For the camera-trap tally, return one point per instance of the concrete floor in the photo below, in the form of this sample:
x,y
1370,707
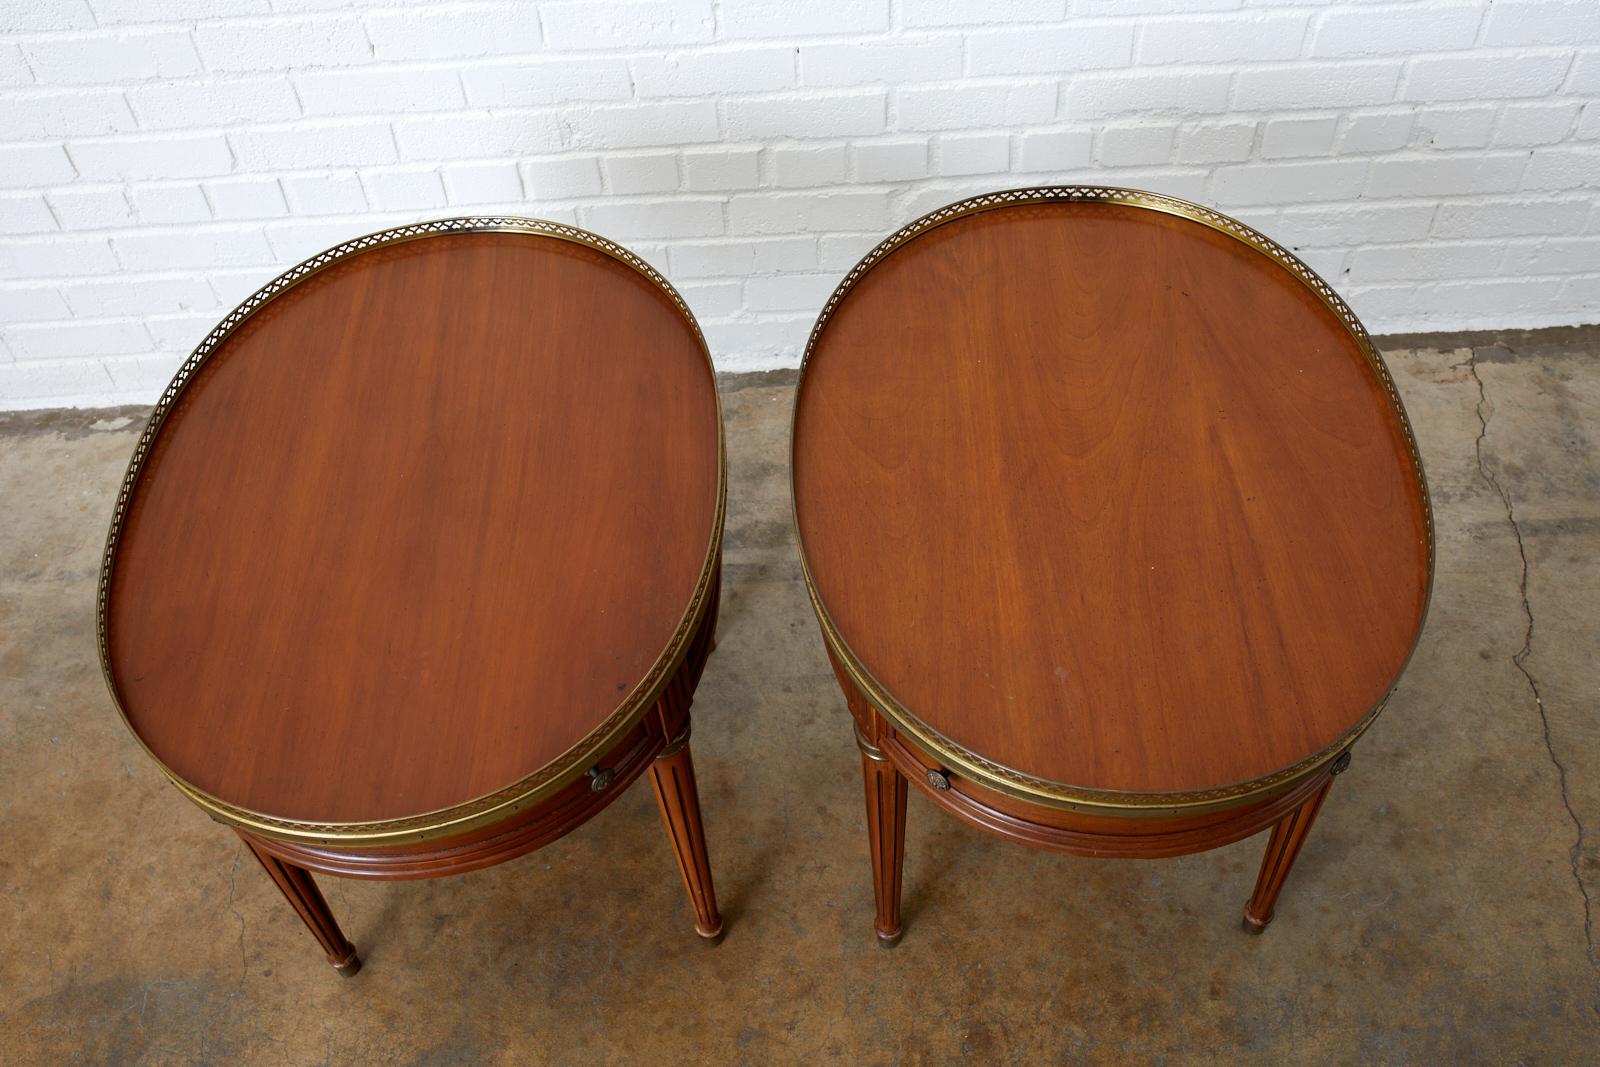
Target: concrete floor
x,y
1444,909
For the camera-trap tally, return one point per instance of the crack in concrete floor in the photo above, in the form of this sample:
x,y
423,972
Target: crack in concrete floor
x,y
1520,657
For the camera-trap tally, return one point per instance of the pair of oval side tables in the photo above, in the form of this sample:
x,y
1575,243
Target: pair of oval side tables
x,y
1109,511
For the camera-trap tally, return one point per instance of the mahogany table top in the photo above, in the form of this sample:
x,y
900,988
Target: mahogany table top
x,y
427,527
1104,503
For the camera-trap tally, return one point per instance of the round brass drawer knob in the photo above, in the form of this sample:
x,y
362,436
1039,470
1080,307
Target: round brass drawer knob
x,y
939,780
600,778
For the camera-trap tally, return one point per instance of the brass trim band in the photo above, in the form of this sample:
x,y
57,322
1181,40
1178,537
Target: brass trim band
x,y
868,749
676,743
1005,779
570,765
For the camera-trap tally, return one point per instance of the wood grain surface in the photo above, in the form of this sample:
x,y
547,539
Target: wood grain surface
x,y
417,528
1108,498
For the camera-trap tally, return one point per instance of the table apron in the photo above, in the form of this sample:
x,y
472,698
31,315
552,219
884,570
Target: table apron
x,y
1144,836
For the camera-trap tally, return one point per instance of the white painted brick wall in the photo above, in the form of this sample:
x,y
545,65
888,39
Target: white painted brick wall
x,y
1439,160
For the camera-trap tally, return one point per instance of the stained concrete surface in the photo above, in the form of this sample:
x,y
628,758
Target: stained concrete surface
x,y
1443,910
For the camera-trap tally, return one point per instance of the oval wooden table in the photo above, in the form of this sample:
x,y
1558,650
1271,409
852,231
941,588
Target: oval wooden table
x,y
415,567
1114,525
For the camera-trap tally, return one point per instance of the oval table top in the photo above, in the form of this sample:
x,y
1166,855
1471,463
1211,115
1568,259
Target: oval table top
x,y
424,531
1105,504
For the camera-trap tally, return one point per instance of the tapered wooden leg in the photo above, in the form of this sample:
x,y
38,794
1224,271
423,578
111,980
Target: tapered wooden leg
x,y
297,885
1283,847
886,836
673,776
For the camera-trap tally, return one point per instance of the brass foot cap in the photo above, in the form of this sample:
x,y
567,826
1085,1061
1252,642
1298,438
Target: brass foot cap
x,y
711,937
1254,925
349,968
890,939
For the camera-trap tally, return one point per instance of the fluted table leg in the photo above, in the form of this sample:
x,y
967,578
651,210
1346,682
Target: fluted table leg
x,y
672,774
886,836
301,891
1283,848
